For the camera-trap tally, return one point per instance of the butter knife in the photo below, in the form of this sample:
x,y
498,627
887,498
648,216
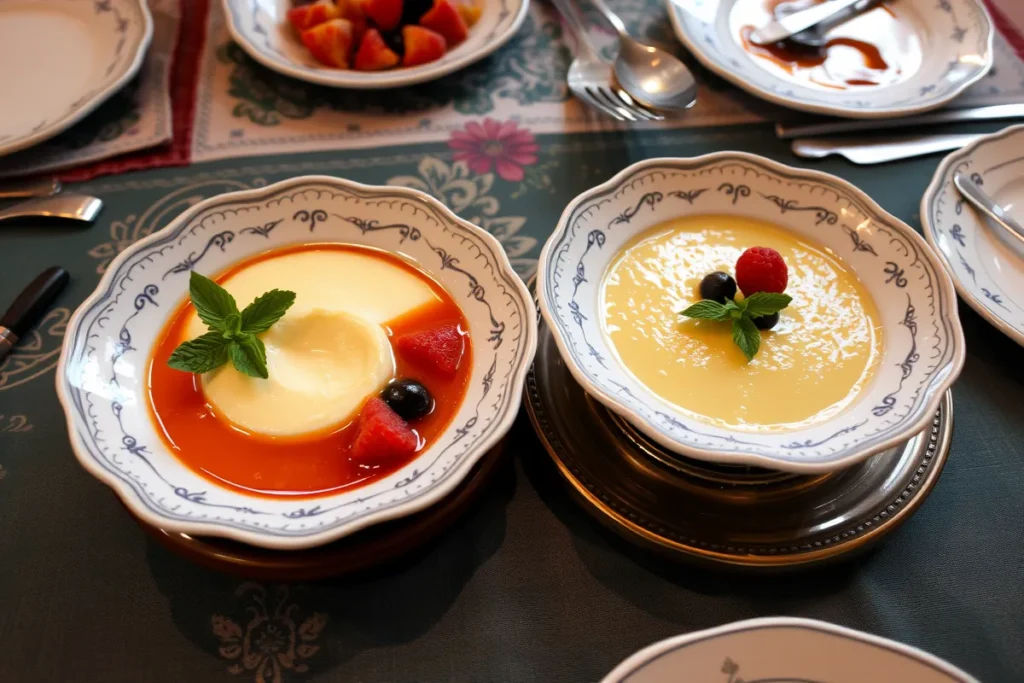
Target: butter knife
x,y
829,127
878,150
783,27
30,306
984,203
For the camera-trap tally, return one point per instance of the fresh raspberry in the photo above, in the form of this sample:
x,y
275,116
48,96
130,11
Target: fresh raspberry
x,y
382,435
439,349
761,269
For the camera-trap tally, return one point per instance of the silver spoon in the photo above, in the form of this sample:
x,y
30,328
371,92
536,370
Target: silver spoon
x,y
74,207
649,75
984,203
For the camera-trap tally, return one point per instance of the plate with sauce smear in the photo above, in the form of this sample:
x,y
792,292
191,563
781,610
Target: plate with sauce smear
x,y
397,365
855,362
897,59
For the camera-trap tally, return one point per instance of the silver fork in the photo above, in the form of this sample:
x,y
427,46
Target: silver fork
x,y
590,78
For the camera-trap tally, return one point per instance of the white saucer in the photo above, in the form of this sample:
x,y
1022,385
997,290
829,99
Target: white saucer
x,y
59,59
261,29
987,268
783,650
955,39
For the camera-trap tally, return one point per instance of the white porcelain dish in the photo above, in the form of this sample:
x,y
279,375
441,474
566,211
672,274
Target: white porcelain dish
x,y
59,59
923,342
101,378
783,650
261,28
987,267
955,39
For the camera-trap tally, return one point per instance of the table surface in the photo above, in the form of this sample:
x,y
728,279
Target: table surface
x,y
526,587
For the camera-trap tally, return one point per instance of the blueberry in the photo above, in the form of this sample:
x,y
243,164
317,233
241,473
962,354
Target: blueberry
x,y
718,286
766,322
408,398
394,41
413,10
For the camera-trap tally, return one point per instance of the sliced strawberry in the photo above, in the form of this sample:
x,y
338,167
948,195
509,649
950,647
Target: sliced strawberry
x,y
422,45
308,16
446,20
330,42
382,435
374,54
439,349
386,14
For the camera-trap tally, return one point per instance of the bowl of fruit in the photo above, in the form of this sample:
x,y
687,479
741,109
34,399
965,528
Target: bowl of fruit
x,y
371,44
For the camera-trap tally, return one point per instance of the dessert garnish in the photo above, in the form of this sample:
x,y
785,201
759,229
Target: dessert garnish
x,y
382,435
438,350
232,334
409,398
762,276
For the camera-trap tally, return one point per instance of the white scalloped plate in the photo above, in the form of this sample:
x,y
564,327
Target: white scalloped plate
x,y
956,44
101,376
59,59
987,268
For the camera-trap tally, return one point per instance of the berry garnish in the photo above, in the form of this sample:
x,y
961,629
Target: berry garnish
x,y
718,286
382,435
761,269
766,322
408,398
439,349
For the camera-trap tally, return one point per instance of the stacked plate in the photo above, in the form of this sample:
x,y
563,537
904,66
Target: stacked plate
x,y
687,446
275,504
60,59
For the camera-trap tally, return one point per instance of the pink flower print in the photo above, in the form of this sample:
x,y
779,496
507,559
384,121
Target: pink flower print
x,y
505,146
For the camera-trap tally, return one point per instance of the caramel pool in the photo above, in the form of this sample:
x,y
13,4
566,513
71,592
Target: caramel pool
x,y
813,364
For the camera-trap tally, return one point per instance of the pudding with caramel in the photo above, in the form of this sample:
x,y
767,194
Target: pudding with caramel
x,y
815,360
364,369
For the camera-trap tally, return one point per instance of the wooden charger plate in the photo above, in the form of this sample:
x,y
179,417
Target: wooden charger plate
x,y
359,552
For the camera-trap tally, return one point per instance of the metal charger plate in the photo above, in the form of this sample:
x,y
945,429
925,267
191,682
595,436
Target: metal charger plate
x,y
723,515
363,550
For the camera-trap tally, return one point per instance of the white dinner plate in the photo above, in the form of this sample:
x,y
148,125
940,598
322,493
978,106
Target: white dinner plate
x,y
59,59
948,47
783,650
987,267
261,29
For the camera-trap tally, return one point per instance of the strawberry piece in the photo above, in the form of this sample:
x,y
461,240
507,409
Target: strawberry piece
x,y
439,349
761,269
446,20
308,16
382,435
330,42
386,14
373,53
422,45
470,10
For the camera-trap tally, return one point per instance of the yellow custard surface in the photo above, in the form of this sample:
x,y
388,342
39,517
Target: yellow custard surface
x,y
813,364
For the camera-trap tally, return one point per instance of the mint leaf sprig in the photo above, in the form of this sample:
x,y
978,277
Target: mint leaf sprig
x,y
742,313
232,334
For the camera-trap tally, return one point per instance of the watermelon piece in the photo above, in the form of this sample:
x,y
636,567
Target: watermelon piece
x,y
382,435
386,14
422,45
330,42
439,349
308,16
373,53
446,20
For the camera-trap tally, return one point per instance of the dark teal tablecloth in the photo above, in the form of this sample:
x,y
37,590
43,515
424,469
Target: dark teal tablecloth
x,y
526,587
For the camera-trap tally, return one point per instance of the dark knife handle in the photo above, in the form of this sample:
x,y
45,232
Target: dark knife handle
x,y
34,301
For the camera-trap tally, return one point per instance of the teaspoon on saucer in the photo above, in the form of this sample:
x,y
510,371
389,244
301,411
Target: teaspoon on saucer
x,y
988,206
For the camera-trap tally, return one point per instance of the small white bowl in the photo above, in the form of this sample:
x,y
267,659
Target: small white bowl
x,y
923,342
261,28
784,649
956,44
101,376
987,267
